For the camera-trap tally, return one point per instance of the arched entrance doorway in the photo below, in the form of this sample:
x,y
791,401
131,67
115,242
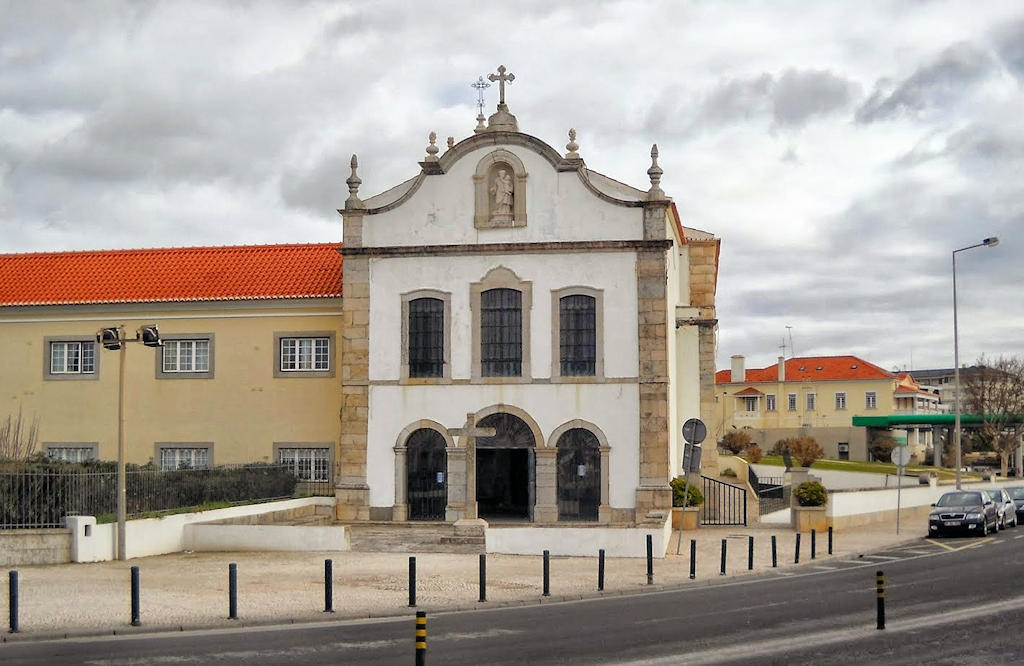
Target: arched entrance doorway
x,y
505,469
579,475
426,475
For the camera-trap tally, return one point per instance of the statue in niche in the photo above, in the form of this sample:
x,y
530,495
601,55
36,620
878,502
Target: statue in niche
x,y
502,190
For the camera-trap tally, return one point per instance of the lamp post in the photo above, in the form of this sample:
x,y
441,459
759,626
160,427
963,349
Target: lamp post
x,y
988,242
114,339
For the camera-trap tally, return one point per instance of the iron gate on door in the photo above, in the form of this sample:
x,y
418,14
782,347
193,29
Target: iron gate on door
x,y
579,475
426,482
724,503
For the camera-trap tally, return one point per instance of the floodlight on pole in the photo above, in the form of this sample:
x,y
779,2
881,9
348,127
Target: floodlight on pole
x,y
991,241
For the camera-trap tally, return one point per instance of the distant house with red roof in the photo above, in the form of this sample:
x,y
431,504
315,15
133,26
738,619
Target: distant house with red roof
x,y
818,396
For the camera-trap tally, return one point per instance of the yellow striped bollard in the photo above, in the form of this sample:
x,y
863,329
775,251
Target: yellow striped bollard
x,y
421,638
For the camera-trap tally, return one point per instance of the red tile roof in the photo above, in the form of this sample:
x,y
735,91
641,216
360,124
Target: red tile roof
x,y
810,368
750,390
242,272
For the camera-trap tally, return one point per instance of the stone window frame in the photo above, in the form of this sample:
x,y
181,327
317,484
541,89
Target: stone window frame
x,y
481,193
556,338
791,402
204,374
446,370
501,277
94,447
328,446
331,352
551,444
870,400
769,402
811,401
401,451
70,376
160,446
840,400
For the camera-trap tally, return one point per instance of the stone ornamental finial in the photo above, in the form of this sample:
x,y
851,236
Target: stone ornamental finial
x,y
572,146
353,183
451,142
501,120
655,172
432,148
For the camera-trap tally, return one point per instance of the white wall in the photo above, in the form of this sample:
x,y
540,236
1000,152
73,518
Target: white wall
x,y
616,542
441,211
266,537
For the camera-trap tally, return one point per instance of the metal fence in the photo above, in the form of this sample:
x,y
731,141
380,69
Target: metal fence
x,y
772,494
724,503
39,498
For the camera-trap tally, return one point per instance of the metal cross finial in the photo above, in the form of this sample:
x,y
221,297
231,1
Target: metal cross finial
x,y
501,78
480,86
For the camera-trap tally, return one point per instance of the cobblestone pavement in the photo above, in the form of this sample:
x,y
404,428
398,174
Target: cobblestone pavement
x,y
190,590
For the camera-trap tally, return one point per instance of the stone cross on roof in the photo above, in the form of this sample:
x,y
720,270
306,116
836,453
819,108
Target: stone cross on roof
x,y
501,78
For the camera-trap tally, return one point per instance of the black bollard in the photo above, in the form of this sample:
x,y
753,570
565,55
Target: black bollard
x,y
750,553
412,582
328,586
483,576
722,572
829,539
232,591
796,551
12,597
421,638
775,552
136,621
880,592
693,559
600,570
547,573
814,543
650,560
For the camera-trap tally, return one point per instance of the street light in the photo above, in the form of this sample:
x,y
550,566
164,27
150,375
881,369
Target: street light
x,y
988,242
113,338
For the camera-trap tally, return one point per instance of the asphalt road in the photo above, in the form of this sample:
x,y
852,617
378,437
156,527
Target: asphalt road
x,y
948,601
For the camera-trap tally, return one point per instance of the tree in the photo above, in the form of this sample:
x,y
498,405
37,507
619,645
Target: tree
x,y
995,390
735,441
15,443
754,453
805,450
881,447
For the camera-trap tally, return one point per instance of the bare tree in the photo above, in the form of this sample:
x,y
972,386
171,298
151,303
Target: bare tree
x,y
15,443
995,390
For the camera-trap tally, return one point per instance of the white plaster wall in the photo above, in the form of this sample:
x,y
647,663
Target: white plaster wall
x,y
266,537
614,408
616,542
614,273
558,208
872,501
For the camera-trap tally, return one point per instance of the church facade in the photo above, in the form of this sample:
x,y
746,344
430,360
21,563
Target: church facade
x,y
517,338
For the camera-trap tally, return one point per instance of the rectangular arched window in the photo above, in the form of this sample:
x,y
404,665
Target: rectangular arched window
x,y
501,333
426,337
577,331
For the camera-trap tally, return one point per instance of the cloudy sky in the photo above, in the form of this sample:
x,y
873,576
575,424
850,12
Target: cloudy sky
x,y
840,150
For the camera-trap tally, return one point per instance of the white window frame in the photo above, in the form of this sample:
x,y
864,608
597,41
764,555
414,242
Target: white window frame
x,y
310,463
870,400
791,401
769,402
72,452
840,400
291,360
812,402
86,367
749,403
194,455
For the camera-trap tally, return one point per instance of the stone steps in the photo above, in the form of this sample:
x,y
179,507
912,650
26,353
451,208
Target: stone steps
x,y
412,538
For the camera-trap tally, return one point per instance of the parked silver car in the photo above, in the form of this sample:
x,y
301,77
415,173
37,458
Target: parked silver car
x,y
963,511
1017,493
1005,507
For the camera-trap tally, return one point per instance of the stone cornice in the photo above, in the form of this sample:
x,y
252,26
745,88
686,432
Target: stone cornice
x,y
506,248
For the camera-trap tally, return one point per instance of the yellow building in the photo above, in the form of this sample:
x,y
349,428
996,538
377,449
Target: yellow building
x,y
817,396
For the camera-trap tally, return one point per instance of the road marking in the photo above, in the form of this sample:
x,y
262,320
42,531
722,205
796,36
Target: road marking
x,y
973,544
824,568
918,552
854,561
882,557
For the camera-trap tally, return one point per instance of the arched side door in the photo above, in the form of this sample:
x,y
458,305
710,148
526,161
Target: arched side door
x,y
579,475
427,475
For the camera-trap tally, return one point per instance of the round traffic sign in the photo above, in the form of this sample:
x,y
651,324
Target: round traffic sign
x,y
694,431
900,456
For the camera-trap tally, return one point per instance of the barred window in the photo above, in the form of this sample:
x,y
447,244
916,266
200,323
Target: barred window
x,y
71,454
426,337
309,464
577,330
501,333
304,354
186,356
172,458
72,358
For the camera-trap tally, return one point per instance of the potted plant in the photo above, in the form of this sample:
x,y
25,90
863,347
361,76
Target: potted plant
x,y
809,512
688,496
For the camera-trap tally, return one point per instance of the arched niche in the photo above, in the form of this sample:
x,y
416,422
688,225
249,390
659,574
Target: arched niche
x,y
499,186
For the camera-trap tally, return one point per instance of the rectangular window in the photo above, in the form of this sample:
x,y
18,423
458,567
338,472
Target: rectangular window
x,y
310,464
71,453
844,450
791,401
750,403
305,354
841,400
72,358
577,331
769,402
812,402
871,400
186,356
426,337
501,333
184,457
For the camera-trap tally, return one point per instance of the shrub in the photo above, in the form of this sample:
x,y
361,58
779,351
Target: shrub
x,y
735,441
805,450
728,471
754,453
779,446
881,448
680,487
811,493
